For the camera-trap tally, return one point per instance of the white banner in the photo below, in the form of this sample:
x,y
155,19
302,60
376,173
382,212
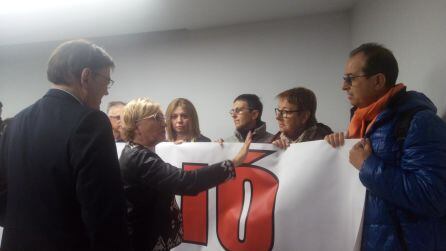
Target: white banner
x,y
308,197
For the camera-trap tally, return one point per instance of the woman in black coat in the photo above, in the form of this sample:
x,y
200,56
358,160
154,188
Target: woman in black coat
x,y
150,184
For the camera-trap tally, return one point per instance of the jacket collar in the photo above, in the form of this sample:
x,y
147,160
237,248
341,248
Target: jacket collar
x,y
58,93
258,132
400,103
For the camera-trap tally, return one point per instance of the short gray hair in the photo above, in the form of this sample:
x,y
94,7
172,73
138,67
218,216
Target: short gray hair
x,y
69,59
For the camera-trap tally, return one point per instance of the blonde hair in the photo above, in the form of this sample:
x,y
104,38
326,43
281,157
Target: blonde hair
x,y
194,127
134,111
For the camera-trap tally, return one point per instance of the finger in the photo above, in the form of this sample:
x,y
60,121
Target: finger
x,y
367,145
330,139
248,140
327,138
341,138
220,141
249,137
282,144
336,139
357,145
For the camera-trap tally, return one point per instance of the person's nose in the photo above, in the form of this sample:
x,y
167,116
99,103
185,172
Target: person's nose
x,y
345,86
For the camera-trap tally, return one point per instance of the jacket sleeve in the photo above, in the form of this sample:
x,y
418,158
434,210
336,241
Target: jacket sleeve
x,y
162,176
419,183
3,179
99,188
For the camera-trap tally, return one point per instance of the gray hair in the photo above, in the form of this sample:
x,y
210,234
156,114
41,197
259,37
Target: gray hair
x,y
69,59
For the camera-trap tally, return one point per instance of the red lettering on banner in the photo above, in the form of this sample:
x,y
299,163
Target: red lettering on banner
x,y
195,213
245,208
258,226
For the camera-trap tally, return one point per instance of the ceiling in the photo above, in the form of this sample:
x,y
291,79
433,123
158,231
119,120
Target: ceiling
x,y
28,21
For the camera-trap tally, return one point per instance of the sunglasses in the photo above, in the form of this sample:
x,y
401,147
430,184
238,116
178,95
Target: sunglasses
x,y
348,79
157,116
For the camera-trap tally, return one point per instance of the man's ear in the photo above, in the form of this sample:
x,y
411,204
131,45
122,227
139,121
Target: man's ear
x,y
380,82
255,114
86,73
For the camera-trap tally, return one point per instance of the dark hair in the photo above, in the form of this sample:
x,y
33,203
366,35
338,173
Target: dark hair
x,y
1,105
69,59
378,60
303,98
114,103
253,103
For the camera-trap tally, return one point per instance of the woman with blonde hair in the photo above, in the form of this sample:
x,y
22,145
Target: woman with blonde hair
x,y
182,122
150,184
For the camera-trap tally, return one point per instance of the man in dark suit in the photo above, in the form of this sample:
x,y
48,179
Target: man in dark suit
x,y
58,161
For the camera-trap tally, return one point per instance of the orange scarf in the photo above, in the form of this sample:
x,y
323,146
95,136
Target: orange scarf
x,y
364,118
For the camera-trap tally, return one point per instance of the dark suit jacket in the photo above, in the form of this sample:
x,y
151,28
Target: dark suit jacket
x,y
64,189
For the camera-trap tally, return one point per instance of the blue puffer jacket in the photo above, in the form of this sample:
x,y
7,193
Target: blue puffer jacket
x,y
405,205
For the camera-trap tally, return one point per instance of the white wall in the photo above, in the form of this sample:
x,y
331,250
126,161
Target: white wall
x,y
210,67
416,32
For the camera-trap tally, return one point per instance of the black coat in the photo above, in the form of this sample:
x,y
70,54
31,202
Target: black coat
x,y
150,185
64,189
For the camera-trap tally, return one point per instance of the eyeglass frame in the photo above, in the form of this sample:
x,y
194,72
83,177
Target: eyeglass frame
x,y
117,117
348,78
155,116
285,113
109,80
237,111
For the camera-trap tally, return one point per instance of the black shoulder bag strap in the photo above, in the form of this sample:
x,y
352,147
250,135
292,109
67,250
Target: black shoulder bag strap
x,y
402,126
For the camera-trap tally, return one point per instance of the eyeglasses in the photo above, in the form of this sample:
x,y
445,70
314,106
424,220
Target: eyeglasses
x,y
117,117
284,113
109,80
348,79
237,111
157,116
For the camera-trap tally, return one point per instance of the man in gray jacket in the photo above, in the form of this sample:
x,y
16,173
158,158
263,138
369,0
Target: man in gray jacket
x,y
247,113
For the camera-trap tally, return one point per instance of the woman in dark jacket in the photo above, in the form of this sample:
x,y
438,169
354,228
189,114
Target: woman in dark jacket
x,y
150,184
182,122
296,117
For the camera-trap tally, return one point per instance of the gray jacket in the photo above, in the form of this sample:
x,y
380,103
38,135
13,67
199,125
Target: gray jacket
x,y
315,132
260,135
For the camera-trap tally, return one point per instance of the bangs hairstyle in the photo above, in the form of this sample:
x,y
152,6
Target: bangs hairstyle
x,y
134,111
69,59
194,127
303,98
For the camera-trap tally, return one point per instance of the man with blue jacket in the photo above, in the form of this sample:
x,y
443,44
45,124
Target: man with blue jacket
x,y
404,173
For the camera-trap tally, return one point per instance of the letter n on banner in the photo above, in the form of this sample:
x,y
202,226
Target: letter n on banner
x,y
195,213
245,207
